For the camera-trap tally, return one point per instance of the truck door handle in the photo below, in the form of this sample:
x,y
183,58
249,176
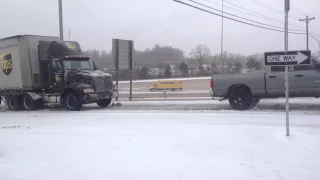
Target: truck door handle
x,y
272,76
298,75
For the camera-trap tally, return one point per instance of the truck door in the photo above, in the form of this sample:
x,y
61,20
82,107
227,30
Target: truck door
x,y
56,73
275,81
307,80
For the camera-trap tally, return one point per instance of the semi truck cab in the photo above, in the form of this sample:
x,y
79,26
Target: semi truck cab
x,y
59,73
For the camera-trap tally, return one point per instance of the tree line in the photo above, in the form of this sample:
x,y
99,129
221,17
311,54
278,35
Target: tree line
x,y
167,61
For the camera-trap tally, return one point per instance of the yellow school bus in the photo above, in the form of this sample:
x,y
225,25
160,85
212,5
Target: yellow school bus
x,y
167,85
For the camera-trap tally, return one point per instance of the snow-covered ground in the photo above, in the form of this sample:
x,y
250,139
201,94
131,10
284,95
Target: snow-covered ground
x,y
137,145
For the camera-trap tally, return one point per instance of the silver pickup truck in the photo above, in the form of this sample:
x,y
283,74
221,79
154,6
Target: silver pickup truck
x,y
244,91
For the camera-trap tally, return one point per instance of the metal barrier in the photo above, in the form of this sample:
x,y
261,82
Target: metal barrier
x,y
166,95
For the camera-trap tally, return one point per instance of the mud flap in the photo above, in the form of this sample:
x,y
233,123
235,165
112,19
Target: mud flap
x,y
34,96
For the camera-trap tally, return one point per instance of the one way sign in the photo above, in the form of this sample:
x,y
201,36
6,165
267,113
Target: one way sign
x,y
289,58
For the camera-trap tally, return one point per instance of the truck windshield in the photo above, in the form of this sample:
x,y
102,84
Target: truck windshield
x,y
77,64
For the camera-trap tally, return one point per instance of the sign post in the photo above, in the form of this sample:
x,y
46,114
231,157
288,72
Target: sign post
x,y
287,9
287,58
130,66
122,51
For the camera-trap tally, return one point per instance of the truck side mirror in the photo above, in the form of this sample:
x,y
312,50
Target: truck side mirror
x,y
94,64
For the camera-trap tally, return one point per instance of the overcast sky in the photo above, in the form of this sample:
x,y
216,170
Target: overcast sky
x,y
94,23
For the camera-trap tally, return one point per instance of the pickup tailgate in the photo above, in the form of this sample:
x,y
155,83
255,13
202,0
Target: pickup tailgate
x,y
254,80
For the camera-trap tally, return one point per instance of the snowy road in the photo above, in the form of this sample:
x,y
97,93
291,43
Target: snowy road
x,y
116,144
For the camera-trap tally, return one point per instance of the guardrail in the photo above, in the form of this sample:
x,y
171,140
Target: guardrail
x,y
165,95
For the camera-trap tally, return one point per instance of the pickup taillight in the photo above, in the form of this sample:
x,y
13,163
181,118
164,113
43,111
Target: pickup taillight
x,y
211,83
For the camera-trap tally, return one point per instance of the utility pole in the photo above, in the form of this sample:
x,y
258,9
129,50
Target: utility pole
x,y
221,56
286,44
307,20
60,20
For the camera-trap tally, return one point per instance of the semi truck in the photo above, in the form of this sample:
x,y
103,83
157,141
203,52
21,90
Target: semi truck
x,y
38,70
244,91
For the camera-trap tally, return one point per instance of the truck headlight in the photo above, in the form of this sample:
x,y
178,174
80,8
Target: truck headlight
x,y
88,90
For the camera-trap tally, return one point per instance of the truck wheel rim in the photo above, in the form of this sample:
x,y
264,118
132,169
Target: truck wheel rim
x,y
27,102
11,103
71,102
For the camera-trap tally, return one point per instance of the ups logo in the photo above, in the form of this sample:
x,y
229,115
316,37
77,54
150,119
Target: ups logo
x,y
6,63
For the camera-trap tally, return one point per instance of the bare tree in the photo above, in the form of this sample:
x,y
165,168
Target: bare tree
x,y
184,69
201,53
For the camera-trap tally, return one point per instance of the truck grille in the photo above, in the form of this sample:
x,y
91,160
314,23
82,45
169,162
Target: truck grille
x,y
103,84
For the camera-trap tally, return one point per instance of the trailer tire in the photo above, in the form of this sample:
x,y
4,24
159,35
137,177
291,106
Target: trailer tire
x,y
104,102
28,103
14,103
240,98
72,102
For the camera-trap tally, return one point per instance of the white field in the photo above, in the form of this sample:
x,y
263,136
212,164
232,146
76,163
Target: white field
x,y
137,145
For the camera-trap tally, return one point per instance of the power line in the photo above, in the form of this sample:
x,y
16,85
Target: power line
x,y
262,27
250,12
241,17
316,34
314,38
267,6
272,8
294,8
314,29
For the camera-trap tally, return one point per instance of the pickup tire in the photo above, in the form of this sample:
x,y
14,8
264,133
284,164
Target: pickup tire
x,y
240,98
104,102
72,102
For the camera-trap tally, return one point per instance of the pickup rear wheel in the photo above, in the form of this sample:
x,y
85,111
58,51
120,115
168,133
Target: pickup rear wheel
x,y
240,99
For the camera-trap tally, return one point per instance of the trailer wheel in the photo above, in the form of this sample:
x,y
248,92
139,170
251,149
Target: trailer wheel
x,y
14,103
28,103
72,102
104,102
240,99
